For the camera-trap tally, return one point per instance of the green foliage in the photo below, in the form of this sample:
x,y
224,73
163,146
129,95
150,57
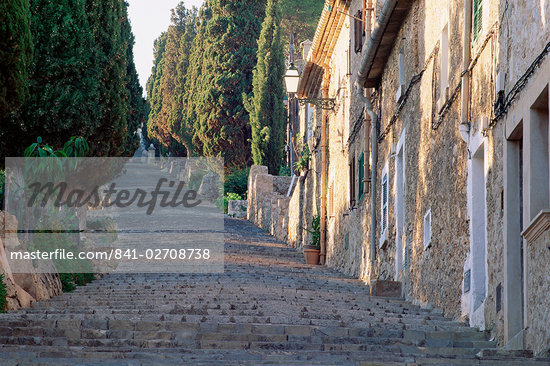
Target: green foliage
x,y
63,79
3,294
223,202
15,55
237,181
193,80
107,20
69,281
265,106
284,171
136,109
76,147
166,83
315,231
181,130
303,160
300,17
227,54
81,80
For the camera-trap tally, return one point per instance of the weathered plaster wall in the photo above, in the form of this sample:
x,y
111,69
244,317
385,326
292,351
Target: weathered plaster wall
x,y
538,285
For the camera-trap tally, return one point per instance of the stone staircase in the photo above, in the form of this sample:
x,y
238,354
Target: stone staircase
x,y
267,308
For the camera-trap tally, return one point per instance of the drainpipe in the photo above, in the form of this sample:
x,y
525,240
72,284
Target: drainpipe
x,y
322,254
366,63
374,150
464,127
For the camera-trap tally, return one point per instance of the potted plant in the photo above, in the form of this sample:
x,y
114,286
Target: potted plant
x,y
311,252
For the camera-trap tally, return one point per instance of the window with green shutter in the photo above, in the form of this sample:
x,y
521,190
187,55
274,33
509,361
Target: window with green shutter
x,y
361,175
477,19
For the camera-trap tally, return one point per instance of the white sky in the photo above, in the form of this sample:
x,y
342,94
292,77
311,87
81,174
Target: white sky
x,y
149,19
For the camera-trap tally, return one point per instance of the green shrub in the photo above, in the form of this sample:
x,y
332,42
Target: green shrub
x,y
284,171
222,203
315,231
3,294
303,160
237,182
67,282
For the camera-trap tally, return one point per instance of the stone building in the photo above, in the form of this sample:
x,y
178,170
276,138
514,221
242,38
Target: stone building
x,y
453,197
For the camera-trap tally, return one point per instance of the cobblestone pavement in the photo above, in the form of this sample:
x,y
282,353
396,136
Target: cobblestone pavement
x,y
266,308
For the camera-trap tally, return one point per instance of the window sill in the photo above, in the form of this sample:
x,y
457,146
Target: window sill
x,y
537,227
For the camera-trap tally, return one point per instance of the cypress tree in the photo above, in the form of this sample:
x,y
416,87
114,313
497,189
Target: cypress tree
x,y
136,104
169,85
180,130
193,80
15,53
15,58
229,56
265,106
106,21
63,87
153,85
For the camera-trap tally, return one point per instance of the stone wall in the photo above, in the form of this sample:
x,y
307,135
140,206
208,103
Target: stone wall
x,y
267,205
538,288
23,289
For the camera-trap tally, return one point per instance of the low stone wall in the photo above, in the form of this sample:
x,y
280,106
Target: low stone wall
x,y
237,208
267,205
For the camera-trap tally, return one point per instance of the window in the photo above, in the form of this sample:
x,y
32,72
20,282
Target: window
x,y
427,229
444,59
401,89
384,193
361,175
477,19
358,31
384,196
352,182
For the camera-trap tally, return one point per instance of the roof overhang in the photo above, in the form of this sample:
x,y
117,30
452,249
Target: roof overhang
x,y
326,36
382,41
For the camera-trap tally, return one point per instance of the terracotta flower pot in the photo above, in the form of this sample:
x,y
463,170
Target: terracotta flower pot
x,y
311,255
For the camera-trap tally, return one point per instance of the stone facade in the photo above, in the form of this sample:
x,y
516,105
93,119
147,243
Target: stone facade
x,y
454,164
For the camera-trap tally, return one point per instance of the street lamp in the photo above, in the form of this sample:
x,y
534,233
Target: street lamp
x,y
292,79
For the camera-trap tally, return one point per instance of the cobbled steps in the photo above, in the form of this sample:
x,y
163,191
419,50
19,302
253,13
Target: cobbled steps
x,y
267,308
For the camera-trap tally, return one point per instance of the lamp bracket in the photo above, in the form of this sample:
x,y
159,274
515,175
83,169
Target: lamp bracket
x,y
323,103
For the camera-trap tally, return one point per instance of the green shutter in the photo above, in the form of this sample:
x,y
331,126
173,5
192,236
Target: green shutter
x,y
477,19
361,167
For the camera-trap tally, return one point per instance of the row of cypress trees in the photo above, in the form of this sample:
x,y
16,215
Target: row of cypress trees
x,y
67,69
216,87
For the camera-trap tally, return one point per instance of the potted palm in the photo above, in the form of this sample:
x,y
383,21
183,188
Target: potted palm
x,y
311,252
